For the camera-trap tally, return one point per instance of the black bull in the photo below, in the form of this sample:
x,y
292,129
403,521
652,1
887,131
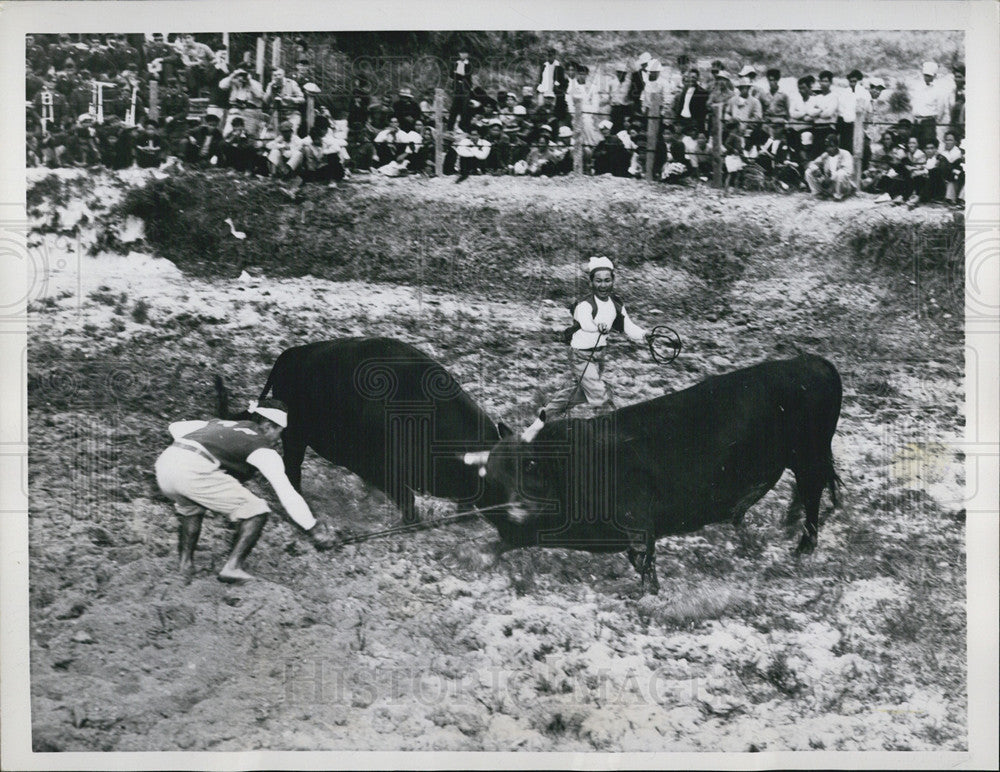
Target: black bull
x,y
671,465
387,412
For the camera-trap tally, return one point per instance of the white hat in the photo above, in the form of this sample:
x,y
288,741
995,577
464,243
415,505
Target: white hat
x,y
600,264
280,417
520,110
549,94
743,82
644,57
604,125
876,82
723,74
620,67
565,131
806,138
930,68
654,65
747,71
311,88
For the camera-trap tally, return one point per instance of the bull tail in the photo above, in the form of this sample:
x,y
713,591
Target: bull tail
x,y
270,380
833,482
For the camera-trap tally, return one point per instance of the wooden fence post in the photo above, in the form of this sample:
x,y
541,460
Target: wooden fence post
x,y
260,59
439,131
310,110
154,100
858,145
652,132
578,135
275,53
717,146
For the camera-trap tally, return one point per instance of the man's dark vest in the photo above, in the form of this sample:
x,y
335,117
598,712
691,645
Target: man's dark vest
x,y
618,324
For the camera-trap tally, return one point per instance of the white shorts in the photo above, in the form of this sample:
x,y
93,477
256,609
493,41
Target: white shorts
x,y
195,484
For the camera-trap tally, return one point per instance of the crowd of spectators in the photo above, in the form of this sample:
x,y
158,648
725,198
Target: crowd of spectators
x,y
89,103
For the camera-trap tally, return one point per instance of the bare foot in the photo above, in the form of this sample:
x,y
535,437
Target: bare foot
x,y
234,576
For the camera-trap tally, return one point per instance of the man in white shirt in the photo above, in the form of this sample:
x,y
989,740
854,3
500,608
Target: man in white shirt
x,y
930,105
472,150
204,470
284,152
655,86
832,172
851,102
827,106
284,95
594,317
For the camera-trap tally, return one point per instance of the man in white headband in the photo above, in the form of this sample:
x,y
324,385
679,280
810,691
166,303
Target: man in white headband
x,y
204,470
594,317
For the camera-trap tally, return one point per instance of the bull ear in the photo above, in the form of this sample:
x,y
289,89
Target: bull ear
x,y
505,431
529,434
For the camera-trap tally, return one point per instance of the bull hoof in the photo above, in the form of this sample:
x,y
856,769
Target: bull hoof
x,y
806,544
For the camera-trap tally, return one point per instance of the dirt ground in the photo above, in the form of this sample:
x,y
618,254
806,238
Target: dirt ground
x,y
408,642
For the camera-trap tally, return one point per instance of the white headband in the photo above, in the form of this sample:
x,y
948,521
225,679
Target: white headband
x,y
280,417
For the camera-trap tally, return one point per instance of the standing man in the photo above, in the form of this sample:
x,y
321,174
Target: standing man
x,y
285,98
774,100
594,317
639,78
930,106
827,107
203,470
619,90
461,80
851,102
690,107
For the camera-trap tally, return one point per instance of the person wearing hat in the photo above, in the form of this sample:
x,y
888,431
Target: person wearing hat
x,y
930,105
690,106
749,71
720,94
656,88
561,149
284,96
832,172
203,470
595,317
284,152
639,78
747,109
619,96
406,108
609,156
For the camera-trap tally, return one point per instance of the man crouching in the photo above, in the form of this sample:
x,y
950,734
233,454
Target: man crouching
x,y
204,468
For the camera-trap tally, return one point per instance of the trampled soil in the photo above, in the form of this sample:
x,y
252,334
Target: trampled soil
x,y
410,642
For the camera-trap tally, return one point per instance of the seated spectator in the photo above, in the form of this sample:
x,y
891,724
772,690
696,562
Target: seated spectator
x,y
610,155
561,148
116,141
204,142
472,151
284,152
499,159
937,174
285,97
905,178
390,142
701,156
880,156
776,159
955,176
676,167
832,172
540,161
149,145
427,107
239,148
321,159
734,158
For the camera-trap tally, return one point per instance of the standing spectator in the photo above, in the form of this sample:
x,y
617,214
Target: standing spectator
x,y
610,156
802,110
245,98
461,83
832,172
655,88
713,72
499,157
930,105
586,91
472,151
405,108
746,108
198,60
690,107
619,97
956,108
750,73
639,78
551,75
851,102
285,98
827,105
722,91
774,100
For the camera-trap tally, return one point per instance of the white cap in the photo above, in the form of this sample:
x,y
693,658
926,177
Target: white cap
x,y
549,94
600,264
747,71
565,131
930,68
520,110
620,67
877,82
806,138
654,65
280,417
311,88
644,57
604,125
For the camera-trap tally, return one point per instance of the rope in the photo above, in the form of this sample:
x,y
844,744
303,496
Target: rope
x,y
422,526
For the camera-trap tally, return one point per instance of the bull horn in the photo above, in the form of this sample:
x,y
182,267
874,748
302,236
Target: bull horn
x,y
478,458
